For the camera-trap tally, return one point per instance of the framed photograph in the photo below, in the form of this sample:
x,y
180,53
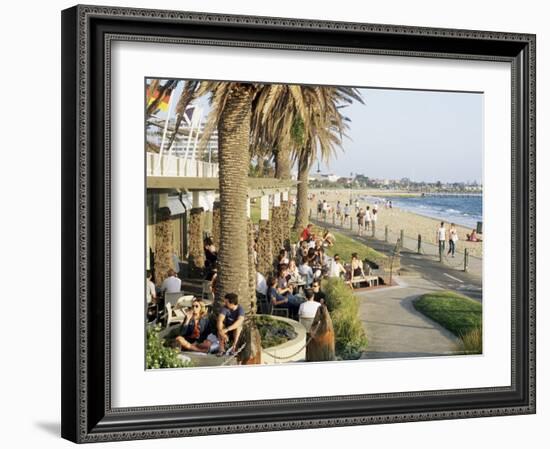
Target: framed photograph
x,y
276,224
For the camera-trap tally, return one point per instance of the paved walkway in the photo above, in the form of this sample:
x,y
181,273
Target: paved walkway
x,y
395,329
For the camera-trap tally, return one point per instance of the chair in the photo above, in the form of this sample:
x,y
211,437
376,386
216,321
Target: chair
x,y
173,297
278,311
173,315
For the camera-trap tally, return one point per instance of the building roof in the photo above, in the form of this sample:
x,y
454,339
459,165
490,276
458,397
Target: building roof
x,y
256,186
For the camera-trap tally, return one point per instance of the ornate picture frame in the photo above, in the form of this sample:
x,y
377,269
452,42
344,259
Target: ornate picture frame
x,y
87,411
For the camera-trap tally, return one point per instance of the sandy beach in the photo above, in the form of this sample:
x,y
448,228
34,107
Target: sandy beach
x,y
396,219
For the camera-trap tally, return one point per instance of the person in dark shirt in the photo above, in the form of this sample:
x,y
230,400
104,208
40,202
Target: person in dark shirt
x,y
319,296
230,322
276,297
195,329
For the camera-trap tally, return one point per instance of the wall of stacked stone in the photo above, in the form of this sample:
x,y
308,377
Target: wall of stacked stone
x,y
251,266
285,217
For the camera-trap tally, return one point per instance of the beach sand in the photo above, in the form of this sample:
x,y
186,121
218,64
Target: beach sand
x,y
396,219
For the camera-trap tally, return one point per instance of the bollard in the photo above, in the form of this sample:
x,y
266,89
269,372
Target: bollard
x,y
350,224
373,224
441,250
401,238
310,214
466,256
386,233
419,250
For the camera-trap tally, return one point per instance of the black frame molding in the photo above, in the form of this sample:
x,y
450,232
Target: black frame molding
x,y
87,32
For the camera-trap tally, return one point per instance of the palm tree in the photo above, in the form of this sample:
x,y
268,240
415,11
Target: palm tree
x,y
325,129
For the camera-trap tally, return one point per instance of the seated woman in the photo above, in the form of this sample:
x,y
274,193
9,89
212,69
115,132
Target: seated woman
x,y
195,332
328,238
473,236
293,275
282,258
276,296
356,267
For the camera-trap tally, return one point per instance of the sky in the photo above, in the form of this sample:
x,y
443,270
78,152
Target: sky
x,y
421,135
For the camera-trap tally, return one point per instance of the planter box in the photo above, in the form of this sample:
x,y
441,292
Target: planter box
x,y
291,351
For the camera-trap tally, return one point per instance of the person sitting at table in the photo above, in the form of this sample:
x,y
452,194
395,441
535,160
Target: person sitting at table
x,y
230,322
195,333
282,258
293,274
306,272
302,252
308,309
277,298
319,296
172,284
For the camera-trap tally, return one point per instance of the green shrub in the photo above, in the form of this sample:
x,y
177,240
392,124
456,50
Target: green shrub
x,y
343,307
157,355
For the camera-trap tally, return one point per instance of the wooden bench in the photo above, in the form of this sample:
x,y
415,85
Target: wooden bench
x,y
369,280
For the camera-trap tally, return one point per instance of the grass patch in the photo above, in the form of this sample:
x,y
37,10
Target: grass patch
x,y
343,306
457,313
345,246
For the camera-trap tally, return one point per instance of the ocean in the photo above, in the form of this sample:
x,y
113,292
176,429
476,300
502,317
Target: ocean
x,y
462,210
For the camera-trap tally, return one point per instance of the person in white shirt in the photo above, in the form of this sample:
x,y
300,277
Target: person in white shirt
x,y
151,291
171,284
261,284
306,271
308,309
441,237
368,218
336,267
453,238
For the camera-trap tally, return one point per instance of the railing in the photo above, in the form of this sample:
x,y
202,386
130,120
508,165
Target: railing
x,y
419,244
178,166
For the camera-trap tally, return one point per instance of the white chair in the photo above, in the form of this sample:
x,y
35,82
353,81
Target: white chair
x,y
173,315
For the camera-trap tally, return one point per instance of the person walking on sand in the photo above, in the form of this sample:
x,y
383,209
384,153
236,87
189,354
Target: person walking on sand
x,y
453,238
441,237
360,221
368,218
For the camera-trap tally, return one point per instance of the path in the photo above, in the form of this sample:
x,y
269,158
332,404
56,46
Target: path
x,y
395,329
443,275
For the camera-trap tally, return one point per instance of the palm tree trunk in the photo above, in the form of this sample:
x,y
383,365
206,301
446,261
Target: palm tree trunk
x,y
215,231
282,171
164,245
233,132
196,248
265,249
301,201
251,266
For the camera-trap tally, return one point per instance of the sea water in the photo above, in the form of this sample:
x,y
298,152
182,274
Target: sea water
x,y
463,210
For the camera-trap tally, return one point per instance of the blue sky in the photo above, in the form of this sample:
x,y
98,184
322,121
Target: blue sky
x,y
421,135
